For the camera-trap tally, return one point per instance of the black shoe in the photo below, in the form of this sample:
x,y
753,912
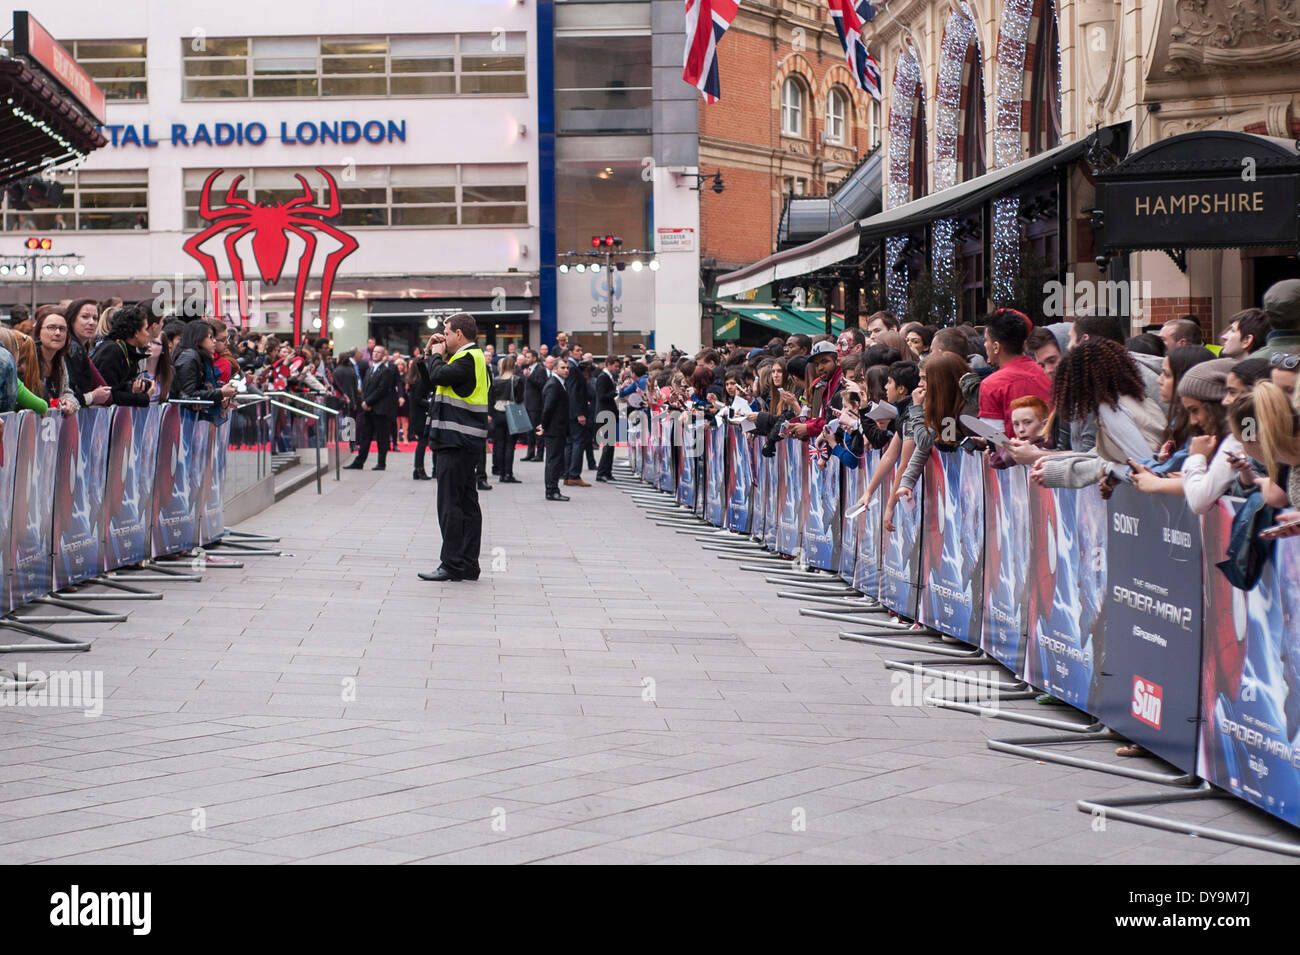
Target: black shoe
x,y
483,485
556,496
378,467
510,479
354,466
440,575
604,480
496,470
419,475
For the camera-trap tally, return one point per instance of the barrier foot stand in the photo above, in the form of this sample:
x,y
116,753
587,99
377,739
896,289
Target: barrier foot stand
x,y
1115,807
987,681
733,553
803,591
1018,716
249,537
793,575
733,542
83,613
244,549
899,641
854,603
118,591
57,642
786,562
890,626
150,572
9,681
1035,747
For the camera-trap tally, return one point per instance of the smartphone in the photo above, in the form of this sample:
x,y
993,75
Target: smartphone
x,y
1277,529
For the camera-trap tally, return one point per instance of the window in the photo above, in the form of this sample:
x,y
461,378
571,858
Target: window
x,y
599,197
102,199
423,196
117,66
467,64
875,123
603,85
792,108
835,110
1045,87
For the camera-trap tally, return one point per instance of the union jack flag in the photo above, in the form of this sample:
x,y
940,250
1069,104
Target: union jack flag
x,y
849,18
706,21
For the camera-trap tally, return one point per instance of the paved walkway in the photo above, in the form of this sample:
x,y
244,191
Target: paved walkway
x,y
607,692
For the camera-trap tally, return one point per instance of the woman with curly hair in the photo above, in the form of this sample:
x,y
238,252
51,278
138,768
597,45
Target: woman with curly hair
x,y
1098,378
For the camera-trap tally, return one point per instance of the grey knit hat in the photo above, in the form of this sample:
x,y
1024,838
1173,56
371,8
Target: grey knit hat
x,y
1206,381
1282,301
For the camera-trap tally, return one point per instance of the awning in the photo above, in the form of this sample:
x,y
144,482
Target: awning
x,y
836,247
781,319
1203,190
845,242
809,217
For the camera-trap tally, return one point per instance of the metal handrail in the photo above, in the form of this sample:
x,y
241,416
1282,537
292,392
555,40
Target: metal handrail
x,y
293,397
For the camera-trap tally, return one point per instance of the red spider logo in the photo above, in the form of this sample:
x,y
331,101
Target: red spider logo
x,y
271,224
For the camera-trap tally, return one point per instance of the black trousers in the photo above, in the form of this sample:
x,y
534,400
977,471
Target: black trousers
x,y
503,448
589,444
554,460
606,468
535,445
459,517
418,427
374,427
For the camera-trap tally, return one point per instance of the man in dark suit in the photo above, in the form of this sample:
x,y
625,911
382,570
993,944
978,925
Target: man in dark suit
x,y
534,383
554,428
378,408
579,393
347,382
607,416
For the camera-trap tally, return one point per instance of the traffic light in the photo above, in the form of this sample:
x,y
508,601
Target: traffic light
x,y
595,242
43,244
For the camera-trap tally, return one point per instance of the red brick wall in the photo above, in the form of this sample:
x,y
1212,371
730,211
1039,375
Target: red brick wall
x,y
739,226
1161,310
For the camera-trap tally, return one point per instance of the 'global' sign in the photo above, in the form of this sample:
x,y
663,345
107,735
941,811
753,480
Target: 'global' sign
x,y
254,134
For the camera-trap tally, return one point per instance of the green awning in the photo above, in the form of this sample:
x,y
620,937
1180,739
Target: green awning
x,y
782,320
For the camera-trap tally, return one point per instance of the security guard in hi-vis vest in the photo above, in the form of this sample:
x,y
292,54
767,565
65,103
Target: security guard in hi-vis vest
x,y
458,427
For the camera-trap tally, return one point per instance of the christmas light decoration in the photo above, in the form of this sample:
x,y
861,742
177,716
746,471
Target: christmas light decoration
x,y
902,117
948,94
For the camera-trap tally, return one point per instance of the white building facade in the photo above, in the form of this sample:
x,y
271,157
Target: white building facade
x,y
424,117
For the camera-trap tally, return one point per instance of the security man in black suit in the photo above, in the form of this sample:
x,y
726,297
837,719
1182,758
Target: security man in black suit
x,y
607,416
458,429
533,387
347,382
378,409
554,428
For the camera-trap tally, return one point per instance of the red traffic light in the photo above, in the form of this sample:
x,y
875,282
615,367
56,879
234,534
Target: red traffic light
x,y
46,244
595,242
33,243
609,241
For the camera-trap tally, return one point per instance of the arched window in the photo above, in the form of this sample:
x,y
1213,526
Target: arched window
x,y
792,108
875,123
1045,82
920,185
836,110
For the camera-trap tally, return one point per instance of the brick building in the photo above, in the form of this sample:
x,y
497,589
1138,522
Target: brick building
x,y
790,122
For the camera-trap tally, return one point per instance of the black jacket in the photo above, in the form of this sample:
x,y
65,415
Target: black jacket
x,y
81,377
537,378
347,385
555,409
579,392
504,389
189,379
606,395
119,365
380,389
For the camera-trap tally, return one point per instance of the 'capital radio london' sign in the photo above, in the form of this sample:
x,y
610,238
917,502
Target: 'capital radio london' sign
x,y
254,134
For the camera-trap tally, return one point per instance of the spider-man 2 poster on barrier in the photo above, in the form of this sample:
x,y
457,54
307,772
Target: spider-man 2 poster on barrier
x,y
128,494
33,515
900,564
952,600
1250,675
852,481
687,463
821,513
740,481
1067,594
79,495
211,511
866,569
715,475
9,442
794,464
1006,565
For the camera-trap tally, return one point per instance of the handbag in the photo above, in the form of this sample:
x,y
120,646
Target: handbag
x,y
517,420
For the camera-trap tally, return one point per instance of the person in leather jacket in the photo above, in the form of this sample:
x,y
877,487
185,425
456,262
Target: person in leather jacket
x,y
118,357
195,376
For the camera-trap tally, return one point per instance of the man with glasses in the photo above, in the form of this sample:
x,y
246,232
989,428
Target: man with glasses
x,y
851,342
1284,369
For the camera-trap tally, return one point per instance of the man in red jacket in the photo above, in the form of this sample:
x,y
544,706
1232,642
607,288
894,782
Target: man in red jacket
x,y
1017,375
